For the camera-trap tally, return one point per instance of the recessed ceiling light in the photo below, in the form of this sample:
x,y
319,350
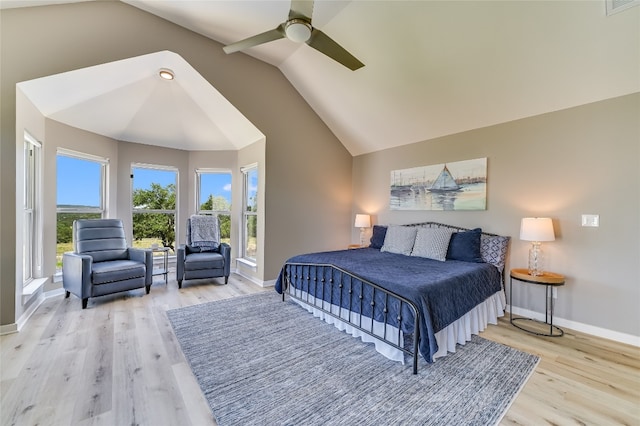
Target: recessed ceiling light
x,y
166,73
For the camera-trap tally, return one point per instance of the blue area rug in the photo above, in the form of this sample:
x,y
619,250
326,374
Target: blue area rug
x,y
261,361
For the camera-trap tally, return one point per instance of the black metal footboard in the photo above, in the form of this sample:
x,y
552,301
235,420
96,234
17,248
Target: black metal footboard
x,y
341,294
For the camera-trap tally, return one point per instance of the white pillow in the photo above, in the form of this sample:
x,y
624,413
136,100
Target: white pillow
x,y
432,243
399,239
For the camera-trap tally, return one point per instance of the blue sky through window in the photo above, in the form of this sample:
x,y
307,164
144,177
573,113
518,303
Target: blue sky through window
x,y
78,182
143,178
216,184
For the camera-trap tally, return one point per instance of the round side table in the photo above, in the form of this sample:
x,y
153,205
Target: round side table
x,y
549,280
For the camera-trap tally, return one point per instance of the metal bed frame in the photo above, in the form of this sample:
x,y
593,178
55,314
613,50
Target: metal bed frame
x,y
295,271
345,284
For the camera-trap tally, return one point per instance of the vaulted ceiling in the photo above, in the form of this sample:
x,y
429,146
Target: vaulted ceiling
x,y
432,68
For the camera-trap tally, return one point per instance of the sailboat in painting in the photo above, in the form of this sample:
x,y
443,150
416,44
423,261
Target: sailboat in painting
x,y
444,182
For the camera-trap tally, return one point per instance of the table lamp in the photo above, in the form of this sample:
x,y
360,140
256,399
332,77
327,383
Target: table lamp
x,y
536,230
363,221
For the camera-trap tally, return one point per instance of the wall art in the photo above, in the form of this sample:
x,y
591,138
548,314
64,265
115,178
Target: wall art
x,y
461,185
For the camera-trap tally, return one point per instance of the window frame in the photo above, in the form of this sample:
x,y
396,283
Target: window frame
x,y
104,164
174,212
32,250
202,171
102,209
246,213
220,213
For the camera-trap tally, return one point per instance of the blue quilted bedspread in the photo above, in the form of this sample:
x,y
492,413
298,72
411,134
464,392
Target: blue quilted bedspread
x,y
442,291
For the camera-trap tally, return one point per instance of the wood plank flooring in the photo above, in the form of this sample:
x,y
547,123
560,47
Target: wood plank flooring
x,y
118,363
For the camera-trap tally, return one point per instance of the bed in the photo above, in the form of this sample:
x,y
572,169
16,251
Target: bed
x,y
405,303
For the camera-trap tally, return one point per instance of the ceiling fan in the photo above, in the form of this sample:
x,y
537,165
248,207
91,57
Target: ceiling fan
x,y
298,28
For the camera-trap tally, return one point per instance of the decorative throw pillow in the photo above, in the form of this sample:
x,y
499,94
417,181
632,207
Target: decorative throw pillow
x,y
432,243
494,250
399,239
465,246
377,238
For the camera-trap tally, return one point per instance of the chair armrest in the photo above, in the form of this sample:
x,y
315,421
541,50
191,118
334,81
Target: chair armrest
x,y
76,274
143,256
225,251
180,256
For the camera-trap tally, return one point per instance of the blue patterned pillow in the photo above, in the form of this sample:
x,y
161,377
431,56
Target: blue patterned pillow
x,y
494,250
432,243
399,239
465,246
377,238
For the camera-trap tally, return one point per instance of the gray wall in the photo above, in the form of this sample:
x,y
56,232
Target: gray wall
x,y
560,165
301,212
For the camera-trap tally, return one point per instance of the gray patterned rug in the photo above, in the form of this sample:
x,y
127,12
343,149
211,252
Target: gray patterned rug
x,y
260,361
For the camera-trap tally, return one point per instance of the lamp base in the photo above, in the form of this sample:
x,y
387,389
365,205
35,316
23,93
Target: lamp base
x,y
362,237
536,260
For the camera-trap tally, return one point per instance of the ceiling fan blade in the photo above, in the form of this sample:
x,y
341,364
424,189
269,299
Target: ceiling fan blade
x,y
267,36
323,43
301,9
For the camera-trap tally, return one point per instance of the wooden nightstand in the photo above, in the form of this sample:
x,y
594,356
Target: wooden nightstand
x,y
548,279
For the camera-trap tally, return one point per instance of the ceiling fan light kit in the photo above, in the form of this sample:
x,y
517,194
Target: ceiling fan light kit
x,y
298,28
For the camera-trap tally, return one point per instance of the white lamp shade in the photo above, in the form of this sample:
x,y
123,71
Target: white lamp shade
x,y
363,221
536,229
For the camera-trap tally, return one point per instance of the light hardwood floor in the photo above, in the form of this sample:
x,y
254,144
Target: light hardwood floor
x,y
118,363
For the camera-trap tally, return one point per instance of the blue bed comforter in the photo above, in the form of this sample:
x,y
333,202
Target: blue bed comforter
x,y
442,291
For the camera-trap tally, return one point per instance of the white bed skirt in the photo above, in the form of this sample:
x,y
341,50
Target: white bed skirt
x,y
458,332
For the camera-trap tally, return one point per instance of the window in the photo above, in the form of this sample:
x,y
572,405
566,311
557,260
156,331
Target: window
x,y
250,213
81,194
154,205
213,196
31,247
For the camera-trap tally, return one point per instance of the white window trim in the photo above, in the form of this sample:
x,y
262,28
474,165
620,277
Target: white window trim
x,y
243,228
174,212
199,172
35,248
104,174
104,185
615,6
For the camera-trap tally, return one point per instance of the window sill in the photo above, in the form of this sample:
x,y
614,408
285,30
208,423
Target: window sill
x,y
247,263
32,288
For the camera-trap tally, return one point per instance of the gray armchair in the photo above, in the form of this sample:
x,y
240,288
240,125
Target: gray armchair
x,y
101,262
196,259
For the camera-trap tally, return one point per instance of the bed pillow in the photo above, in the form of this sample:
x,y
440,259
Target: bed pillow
x,y
465,246
377,238
432,243
494,250
399,239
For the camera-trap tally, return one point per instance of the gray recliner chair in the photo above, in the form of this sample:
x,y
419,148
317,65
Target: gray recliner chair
x,y
206,258
101,262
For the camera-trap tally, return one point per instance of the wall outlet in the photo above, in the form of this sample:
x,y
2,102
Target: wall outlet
x,y
554,292
591,220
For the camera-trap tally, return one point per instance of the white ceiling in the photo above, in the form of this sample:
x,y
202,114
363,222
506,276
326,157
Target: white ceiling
x,y
133,103
432,68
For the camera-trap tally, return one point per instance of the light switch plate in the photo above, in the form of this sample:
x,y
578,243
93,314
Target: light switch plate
x,y
592,220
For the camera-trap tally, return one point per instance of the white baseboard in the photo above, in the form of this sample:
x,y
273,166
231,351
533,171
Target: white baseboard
x,y
628,339
8,328
254,280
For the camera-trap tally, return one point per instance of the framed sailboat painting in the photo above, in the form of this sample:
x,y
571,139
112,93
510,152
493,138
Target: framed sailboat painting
x,y
461,185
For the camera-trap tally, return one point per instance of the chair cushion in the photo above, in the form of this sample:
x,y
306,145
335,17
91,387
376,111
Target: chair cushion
x,y
116,270
204,260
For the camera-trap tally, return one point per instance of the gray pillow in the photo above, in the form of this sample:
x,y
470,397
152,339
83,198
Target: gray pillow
x,y
399,239
432,243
